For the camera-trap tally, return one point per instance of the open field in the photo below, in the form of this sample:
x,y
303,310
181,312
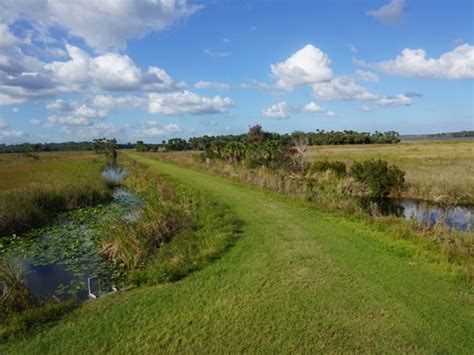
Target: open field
x,y
296,280
435,170
52,168
32,190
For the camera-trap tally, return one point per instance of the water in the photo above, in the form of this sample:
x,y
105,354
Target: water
x,y
114,174
58,260
459,218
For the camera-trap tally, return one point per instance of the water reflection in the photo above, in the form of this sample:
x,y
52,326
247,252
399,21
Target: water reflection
x,y
454,217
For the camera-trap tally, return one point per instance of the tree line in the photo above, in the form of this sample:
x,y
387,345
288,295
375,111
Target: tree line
x,y
257,135
56,147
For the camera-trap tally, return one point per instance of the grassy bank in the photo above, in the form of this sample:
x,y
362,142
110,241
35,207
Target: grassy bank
x,y
440,171
296,280
34,190
331,192
179,230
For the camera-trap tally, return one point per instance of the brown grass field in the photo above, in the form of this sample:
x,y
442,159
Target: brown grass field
x,y
435,170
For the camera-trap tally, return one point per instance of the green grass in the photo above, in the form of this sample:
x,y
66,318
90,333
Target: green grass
x,y
435,170
33,191
297,280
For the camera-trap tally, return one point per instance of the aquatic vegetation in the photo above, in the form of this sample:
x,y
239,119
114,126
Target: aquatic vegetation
x,y
33,192
71,245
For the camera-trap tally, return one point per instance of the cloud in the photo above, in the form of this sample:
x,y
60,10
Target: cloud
x,y
365,76
456,64
316,109
278,110
23,78
345,88
254,84
110,71
398,100
211,85
313,108
72,113
185,102
309,65
11,135
216,54
390,13
102,24
162,130
342,88
3,123
34,121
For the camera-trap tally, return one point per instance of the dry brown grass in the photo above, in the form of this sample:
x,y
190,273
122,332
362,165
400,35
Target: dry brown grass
x,y
435,170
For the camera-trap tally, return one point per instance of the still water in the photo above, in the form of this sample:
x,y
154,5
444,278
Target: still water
x,y
59,259
454,217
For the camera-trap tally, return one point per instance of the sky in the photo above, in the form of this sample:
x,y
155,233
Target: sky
x,y
74,70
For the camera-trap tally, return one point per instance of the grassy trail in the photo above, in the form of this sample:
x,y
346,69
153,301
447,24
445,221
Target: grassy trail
x,y
297,280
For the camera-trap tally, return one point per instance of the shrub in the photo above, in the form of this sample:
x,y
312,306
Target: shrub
x,y
14,296
378,176
338,167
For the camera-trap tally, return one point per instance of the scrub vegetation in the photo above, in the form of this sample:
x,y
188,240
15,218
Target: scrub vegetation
x,y
441,171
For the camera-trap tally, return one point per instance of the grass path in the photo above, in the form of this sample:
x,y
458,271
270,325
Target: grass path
x,y
297,280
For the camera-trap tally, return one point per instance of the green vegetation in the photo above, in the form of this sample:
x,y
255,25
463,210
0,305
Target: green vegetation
x,y
33,191
296,280
338,167
34,318
218,144
178,231
441,171
448,135
29,148
379,176
15,296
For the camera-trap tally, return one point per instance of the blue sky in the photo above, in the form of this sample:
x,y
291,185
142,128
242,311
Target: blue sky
x,y
151,70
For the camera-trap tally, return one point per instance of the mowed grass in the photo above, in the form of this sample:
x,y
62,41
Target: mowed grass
x,y
297,280
435,170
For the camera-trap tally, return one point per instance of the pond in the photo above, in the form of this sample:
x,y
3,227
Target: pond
x,y
58,260
459,218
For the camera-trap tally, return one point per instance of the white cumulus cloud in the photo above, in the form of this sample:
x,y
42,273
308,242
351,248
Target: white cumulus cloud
x,y
345,88
309,65
278,110
185,102
102,24
313,108
455,64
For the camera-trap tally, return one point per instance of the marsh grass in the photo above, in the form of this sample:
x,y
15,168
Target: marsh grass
x,y
439,171
14,296
32,191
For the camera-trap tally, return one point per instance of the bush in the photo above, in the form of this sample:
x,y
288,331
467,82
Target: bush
x,y
378,176
338,167
14,294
